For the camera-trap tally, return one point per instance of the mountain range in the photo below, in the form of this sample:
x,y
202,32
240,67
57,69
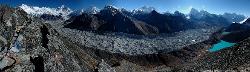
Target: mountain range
x,y
46,12
142,21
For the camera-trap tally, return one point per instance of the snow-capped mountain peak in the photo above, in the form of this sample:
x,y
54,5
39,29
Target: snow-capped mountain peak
x,y
92,10
76,12
111,7
241,22
144,9
38,11
64,10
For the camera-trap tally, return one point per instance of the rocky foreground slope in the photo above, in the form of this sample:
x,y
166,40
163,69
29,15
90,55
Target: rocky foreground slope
x,y
235,58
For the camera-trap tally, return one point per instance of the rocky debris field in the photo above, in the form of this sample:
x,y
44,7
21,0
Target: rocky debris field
x,y
235,58
139,45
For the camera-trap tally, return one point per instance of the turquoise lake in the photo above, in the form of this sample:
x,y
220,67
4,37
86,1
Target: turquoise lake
x,y
221,45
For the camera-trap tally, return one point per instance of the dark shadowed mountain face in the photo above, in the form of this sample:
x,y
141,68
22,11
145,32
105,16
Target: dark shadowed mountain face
x,y
85,22
247,21
165,23
49,17
235,37
117,21
234,27
111,19
238,32
237,27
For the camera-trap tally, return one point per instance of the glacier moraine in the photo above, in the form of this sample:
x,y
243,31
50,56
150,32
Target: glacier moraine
x,y
114,43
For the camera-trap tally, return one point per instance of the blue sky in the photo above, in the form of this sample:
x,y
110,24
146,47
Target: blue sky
x,y
213,6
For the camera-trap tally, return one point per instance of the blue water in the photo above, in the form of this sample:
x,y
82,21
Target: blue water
x,y
221,45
